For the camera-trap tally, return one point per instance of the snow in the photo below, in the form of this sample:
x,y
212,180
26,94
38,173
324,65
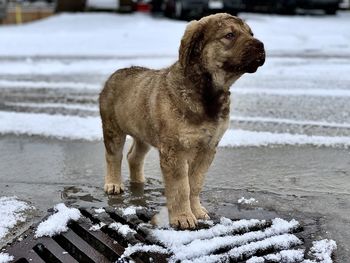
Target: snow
x,y
206,246
289,121
75,66
198,246
124,230
294,92
64,45
89,128
97,227
75,106
288,256
201,245
276,242
57,222
173,238
5,257
47,85
247,201
99,210
322,250
59,126
136,37
140,32
130,210
11,213
243,138
143,248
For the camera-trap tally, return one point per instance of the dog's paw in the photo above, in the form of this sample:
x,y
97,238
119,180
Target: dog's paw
x,y
201,213
114,188
183,221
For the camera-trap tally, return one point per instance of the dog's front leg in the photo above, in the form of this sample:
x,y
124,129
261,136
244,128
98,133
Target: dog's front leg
x,y
174,167
197,170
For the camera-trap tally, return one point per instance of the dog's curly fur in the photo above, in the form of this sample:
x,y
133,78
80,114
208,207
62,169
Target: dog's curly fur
x,y
182,110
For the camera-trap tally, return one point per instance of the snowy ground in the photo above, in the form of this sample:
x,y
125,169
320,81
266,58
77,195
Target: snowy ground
x,y
51,77
12,211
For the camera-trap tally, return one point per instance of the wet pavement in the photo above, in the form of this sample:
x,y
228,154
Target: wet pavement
x,y
307,183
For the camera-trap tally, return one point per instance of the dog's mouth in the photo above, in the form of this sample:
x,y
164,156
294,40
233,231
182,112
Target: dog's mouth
x,y
249,64
253,65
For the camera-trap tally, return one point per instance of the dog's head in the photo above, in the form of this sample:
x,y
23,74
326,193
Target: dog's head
x,y
221,44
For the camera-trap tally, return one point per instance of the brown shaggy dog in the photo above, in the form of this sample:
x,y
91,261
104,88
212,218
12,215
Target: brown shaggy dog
x,y
182,110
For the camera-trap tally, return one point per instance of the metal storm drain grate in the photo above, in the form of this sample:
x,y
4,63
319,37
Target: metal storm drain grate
x,y
106,236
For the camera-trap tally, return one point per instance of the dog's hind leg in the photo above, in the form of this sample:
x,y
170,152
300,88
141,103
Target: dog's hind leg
x,y
114,140
136,157
196,175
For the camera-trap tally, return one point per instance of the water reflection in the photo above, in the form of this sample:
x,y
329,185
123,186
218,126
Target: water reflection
x,y
148,194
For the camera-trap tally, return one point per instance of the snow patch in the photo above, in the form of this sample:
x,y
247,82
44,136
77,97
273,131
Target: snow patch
x,y
198,246
124,230
11,212
57,222
48,85
99,210
69,106
238,238
89,128
97,227
247,201
172,238
139,33
207,246
131,210
290,121
5,257
243,138
288,256
276,242
143,248
294,92
58,126
322,250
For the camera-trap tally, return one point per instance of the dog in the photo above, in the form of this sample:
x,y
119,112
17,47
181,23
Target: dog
x,y
182,110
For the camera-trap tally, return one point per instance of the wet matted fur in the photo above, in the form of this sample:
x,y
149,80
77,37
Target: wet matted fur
x,y
182,110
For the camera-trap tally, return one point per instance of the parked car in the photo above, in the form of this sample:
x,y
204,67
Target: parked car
x,y
111,5
289,6
329,6
3,9
70,6
344,4
196,8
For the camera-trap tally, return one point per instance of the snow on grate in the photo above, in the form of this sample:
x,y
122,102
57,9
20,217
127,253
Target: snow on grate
x,y
125,235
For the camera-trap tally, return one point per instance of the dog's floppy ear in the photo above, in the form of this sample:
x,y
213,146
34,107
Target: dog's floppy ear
x,y
191,44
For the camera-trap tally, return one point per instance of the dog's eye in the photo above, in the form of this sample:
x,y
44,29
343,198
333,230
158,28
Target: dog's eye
x,y
230,36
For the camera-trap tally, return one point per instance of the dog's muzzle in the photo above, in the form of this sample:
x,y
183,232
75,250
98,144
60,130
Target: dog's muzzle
x,y
254,56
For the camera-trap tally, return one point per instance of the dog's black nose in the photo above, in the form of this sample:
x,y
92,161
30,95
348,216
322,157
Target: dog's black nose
x,y
259,45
